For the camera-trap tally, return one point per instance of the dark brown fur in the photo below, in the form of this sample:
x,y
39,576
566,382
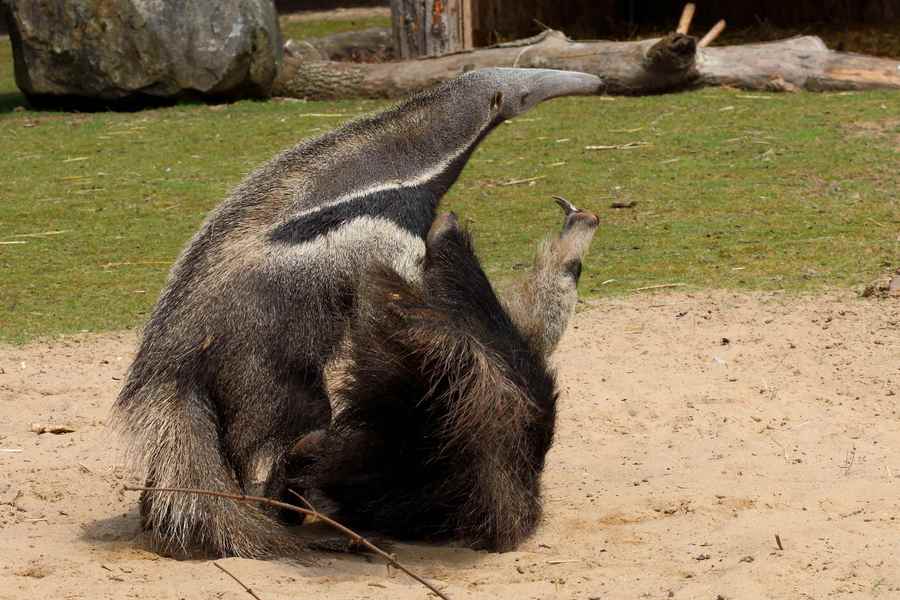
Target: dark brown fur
x,y
447,412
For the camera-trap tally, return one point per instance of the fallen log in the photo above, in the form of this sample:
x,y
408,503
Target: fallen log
x,y
374,44
673,63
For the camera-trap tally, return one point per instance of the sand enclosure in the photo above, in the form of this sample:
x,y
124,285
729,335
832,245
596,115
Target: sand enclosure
x,y
693,428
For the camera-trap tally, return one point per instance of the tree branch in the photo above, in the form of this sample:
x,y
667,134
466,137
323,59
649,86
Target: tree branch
x,y
310,511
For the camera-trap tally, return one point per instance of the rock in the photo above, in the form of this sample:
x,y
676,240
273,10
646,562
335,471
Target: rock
x,y
123,51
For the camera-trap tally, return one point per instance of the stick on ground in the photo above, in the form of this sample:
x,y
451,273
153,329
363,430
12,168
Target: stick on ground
x,y
240,583
358,539
355,537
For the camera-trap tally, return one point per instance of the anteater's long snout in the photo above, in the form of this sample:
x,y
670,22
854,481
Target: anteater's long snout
x,y
551,83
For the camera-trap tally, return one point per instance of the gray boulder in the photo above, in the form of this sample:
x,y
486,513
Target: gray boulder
x,y
138,50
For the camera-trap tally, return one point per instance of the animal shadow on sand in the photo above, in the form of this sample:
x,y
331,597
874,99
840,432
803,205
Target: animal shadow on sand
x,y
122,532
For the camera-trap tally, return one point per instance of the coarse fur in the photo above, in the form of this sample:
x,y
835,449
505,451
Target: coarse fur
x,y
542,303
447,406
447,411
229,372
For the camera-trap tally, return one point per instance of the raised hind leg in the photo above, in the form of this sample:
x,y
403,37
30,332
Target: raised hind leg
x,y
543,302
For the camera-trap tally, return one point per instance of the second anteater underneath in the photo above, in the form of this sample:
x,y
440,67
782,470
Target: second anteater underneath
x,y
448,410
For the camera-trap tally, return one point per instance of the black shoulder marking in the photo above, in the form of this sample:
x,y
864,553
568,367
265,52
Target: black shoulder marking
x,y
403,206
411,208
573,268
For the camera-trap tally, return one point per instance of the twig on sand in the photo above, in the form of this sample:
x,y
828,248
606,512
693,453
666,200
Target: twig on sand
x,y
778,542
240,583
40,428
358,539
355,537
563,561
848,460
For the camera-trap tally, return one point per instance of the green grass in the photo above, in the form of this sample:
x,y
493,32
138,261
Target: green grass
x,y
10,96
296,29
733,190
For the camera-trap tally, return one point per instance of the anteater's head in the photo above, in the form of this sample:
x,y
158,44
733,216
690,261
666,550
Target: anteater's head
x,y
511,92
479,100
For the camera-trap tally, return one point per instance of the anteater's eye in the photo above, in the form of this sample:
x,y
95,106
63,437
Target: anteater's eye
x,y
496,100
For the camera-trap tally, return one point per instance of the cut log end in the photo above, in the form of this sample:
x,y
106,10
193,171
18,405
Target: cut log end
x,y
674,53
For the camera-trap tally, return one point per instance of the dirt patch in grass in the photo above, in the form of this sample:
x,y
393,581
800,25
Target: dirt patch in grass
x,y
882,130
693,428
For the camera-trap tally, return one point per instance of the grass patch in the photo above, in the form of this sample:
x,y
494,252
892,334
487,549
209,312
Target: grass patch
x,y
10,96
733,190
298,29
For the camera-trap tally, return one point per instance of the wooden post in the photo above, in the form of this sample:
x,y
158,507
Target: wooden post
x,y
431,27
466,25
406,22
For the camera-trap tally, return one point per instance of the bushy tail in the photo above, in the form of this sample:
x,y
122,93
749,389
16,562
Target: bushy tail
x,y
173,440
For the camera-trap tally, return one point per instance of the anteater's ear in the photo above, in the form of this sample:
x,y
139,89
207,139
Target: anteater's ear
x,y
568,207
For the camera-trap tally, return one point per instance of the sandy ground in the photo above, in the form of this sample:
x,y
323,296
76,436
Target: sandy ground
x,y
693,429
